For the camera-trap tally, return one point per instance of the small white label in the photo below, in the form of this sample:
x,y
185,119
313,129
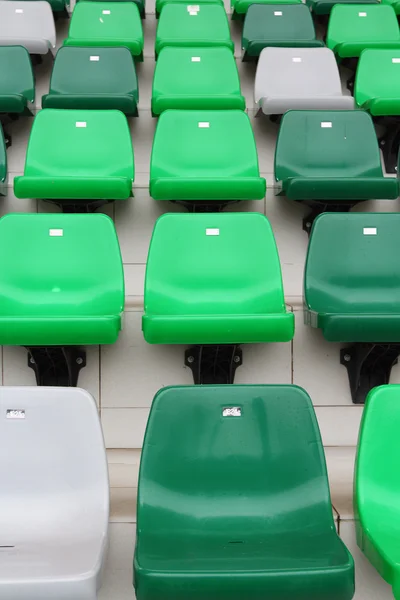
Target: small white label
x,y
296,59
193,8
95,58
19,11
326,124
15,413
56,232
362,14
369,231
193,13
196,59
212,231
277,13
80,124
395,60
106,12
204,125
232,411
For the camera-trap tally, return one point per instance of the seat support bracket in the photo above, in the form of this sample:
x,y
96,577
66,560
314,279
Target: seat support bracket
x,y
389,141
205,206
56,365
320,206
79,206
368,365
214,364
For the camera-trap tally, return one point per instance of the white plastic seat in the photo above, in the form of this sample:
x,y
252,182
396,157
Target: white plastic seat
x,y
54,494
28,24
299,79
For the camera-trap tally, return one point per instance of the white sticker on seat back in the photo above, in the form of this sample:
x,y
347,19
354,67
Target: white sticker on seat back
x,y
95,58
395,60
19,11
106,12
196,59
362,14
296,59
212,231
80,124
370,231
56,232
204,125
326,124
277,13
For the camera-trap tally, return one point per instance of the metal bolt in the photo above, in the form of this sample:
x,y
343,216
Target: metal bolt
x,y
236,359
190,359
308,225
32,360
347,357
79,360
383,142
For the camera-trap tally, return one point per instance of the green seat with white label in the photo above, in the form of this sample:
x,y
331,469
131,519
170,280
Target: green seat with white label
x,y
324,7
377,84
141,4
161,3
17,84
240,7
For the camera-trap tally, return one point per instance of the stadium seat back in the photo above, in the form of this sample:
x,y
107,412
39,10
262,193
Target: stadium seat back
x,y
17,84
28,24
377,85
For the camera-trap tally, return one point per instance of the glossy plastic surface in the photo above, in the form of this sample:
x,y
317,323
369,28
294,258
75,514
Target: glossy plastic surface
x,y
352,277
234,507
78,154
377,485
240,7
62,282
377,85
214,279
94,78
324,7
330,155
3,164
196,78
17,84
205,155
161,3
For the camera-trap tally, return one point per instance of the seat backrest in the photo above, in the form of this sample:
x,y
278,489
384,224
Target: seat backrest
x,y
53,466
352,264
278,23
23,21
16,73
362,22
327,144
60,264
213,264
378,77
80,143
106,20
263,468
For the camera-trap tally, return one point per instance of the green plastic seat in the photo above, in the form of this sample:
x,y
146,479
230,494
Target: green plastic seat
x,y
214,157
161,3
377,84
240,7
62,282
17,84
276,25
352,277
141,4
3,164
195,293
187,25
196,78
94,78
377,486
324,7
354,27
394,3
233,499
330,156
107,24
78,154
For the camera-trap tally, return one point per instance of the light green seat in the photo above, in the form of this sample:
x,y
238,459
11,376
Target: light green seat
x,y
107,24
78,154
197,25
332,157
205,155
233,499
62,282
94,78
161,3
377,85
141,4
324,7
196,78
17,84
352,277
377,484
394,3
197,293
354,27
240,7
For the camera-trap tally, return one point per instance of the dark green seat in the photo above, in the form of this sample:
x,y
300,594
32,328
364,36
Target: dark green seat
x,y
288,25
377,486
3,164
196,78
141,4
354,27
197,25
17,84
330,156
352,277
240,7
94,78
233,499
324,7
196,294
62,282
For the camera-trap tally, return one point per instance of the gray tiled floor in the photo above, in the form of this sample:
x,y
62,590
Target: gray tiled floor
x,y
124,378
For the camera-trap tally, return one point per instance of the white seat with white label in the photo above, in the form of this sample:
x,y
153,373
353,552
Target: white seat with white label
x,y
28,24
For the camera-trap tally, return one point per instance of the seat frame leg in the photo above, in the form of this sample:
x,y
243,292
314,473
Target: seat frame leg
x,y
214,364
56,365
368,365
319,207
389,142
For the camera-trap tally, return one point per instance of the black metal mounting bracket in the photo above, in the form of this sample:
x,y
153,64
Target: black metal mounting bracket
x,y
205,206
56,365
214,364
78,206
389,142
320,206
368,365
